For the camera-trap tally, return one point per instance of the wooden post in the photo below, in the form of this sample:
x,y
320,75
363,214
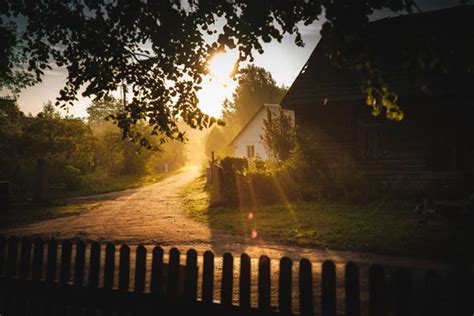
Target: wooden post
x,y
79,264
432,295
306,288
376,290
94,265
284,286
227,279
65,270
25,258
208,277
190,280
124,269
2,255
12,258
109,266
352,289
156,282
51,264
173,280
41,190
140,269
245,281
403,292
38,254
264,285
328,289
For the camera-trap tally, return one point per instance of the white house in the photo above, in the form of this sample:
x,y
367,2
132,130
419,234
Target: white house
x,y
248,142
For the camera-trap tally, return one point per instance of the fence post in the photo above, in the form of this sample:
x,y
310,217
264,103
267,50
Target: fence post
x,y
51,263
227,279
244,282
284,286
190,285
25,258
140,269
352,289
2,255
173,274
376,290
109,266
432,295
38,254
264,285
79,263
12,257
305,281
94,265
403,292
124,268
156,282
328,289
65,269
208,277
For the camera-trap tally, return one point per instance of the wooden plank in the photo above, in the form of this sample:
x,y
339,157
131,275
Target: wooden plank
x,y
227,279
51,264
80,262
328,289
124,269
377,290
245,281
12,258
208,277
140,269
190,280
38,254
305,282
432,294
403,292
94,265
109,266
352,290
25,258
157,281
172,289
264,283
65,269
285,286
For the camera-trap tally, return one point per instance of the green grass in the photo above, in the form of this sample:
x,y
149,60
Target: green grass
x,y
377,227
26,213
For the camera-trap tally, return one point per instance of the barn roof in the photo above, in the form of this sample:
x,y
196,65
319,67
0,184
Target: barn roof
x,y
390,39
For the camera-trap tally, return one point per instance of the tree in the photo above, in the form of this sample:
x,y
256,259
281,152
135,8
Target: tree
x,y
159,48
279,137
102,109
49,111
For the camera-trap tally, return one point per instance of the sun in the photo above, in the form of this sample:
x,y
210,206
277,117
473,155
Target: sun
x,y
218,84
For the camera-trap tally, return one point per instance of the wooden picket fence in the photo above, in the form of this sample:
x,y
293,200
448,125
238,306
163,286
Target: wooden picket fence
x,y
46,278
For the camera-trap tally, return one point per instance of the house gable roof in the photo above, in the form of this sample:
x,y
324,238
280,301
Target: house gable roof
x,y
453,28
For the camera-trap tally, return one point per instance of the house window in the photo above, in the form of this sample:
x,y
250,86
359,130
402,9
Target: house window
x,y
250,151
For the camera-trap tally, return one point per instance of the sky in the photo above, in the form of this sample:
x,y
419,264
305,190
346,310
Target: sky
x,y
284,60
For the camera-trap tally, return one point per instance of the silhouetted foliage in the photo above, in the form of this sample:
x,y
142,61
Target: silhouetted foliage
x,y
279,137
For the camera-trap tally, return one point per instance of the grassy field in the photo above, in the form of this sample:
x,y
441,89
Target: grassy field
x,y
379,227
26,213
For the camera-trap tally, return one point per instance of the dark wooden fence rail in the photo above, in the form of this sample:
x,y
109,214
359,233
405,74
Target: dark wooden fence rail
x,y
32,283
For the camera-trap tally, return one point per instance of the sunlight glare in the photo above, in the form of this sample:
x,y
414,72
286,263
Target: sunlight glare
x,y
218,85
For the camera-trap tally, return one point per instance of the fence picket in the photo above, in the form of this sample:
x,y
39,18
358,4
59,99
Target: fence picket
x,y
12,257
227,279
65,269
208,277
403,292
190,280
79,264
38,254
432,295
306,288
284,286
94,265
376,290
140,269
172,289
25,258
109,266
156,282
352,290
328,289
245,281
124,269
2,255
264,283
51,264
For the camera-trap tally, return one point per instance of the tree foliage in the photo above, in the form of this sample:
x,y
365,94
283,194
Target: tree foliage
x,y
279,138
103,109
161,48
